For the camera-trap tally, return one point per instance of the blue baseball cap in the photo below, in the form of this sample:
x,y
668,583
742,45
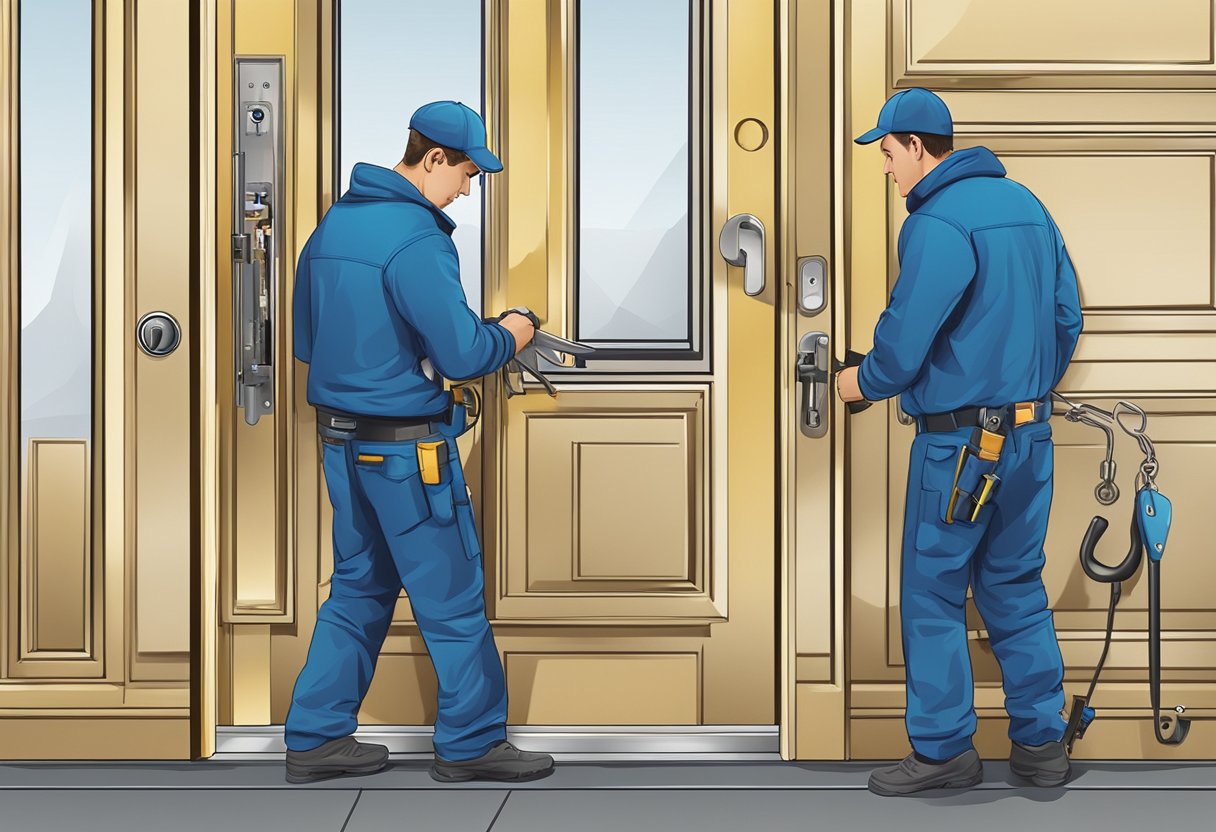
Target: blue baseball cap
x,y
913,110
455,126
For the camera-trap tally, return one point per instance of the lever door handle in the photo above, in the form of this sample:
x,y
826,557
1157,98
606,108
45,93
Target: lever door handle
x,y
814,376
742,244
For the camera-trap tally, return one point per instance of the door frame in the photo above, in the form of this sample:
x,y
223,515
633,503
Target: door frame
x,y
812,506
204,669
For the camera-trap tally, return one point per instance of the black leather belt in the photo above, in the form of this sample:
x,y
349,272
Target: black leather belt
x,y
376,429
1011,415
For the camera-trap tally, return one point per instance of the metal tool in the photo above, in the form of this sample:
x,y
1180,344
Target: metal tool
x,y
546,347
1149,529
1106,491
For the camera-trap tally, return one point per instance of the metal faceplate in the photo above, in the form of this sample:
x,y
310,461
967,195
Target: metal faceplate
x,y
812,285
257,249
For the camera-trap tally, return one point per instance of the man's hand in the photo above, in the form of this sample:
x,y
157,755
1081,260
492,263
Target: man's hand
x,y
520,328
847,387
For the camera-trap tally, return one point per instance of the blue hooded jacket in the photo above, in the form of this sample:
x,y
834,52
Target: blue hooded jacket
x,y
985,310
377,291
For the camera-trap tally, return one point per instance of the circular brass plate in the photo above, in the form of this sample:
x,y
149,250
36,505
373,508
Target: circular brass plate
x,y
751,134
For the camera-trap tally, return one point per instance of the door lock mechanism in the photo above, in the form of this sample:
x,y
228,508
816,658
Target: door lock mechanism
x,y
815,380
158,334
812,368
258,256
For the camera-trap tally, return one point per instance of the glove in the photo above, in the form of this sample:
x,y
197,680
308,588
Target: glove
x,y
851,359
520,310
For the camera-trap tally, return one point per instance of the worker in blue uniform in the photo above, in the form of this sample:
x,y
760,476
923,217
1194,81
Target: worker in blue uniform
x,y
981,325
380,316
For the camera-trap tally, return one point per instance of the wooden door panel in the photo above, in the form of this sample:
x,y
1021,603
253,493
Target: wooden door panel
x,y
98,506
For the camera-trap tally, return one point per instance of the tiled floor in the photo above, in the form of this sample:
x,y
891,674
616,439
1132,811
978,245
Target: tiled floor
x,y
590,797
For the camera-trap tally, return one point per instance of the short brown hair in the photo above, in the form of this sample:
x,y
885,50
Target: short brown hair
x,y
419,145
935,145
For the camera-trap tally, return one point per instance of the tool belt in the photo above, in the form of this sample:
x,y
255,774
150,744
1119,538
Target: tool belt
x,y
377,429
336,427
975,476
1017,415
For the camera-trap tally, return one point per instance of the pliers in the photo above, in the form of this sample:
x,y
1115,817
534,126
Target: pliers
x,y
556,351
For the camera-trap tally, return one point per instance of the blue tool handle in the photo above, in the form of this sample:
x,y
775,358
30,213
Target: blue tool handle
x,y
1153,514
1079,717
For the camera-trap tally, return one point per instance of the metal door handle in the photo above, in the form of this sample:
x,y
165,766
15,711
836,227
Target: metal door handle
x,y
813,376
742,244
158,334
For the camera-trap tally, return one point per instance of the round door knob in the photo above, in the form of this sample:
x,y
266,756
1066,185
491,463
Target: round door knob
x,y
158,334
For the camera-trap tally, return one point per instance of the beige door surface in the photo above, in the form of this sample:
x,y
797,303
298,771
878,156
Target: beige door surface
x,y
812,453
1107,114
97,438
628,525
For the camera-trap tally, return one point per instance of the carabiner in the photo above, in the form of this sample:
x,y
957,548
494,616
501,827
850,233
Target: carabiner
x,y
1106,491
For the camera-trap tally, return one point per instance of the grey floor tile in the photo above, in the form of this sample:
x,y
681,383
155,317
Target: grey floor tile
x,y
193,775
177,811
416,810
412,774
730,811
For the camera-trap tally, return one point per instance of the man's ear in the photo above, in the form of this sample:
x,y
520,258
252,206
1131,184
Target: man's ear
x,y
433,157
916,147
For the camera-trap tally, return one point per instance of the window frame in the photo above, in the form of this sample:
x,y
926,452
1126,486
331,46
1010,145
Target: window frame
x,y
642,357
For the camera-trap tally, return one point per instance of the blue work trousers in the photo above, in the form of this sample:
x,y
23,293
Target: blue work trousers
x,y
391,530
1001,557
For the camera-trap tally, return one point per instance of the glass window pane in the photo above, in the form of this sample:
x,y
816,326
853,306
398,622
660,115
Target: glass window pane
x,y
387,68
633,171
55,124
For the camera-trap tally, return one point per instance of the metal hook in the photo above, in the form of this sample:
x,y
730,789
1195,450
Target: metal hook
x,y
1106,492
1167,734
1177,731
1117,414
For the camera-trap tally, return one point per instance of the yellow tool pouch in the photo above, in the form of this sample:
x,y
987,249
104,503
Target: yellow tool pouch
x,y
429,460
974,479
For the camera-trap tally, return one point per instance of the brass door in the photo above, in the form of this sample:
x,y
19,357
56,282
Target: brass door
x,y
629,524
1106,114
98,211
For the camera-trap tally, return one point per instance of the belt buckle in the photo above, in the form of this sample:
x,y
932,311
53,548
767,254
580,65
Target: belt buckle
x,y
1024,412
991,418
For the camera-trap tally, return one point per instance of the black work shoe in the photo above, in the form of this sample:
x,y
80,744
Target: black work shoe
x,y
911,775
337,758
502,762
1044,765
